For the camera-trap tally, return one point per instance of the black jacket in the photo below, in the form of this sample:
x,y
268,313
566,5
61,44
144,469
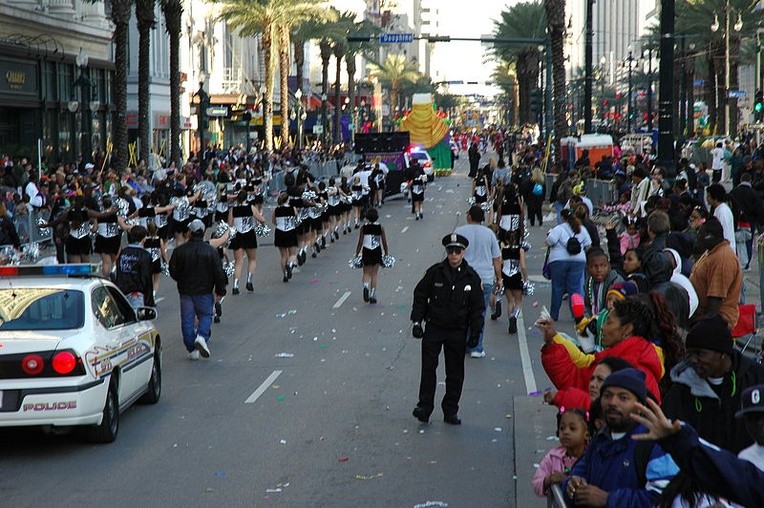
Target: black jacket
x,y
748,204
449,298
197,269
134,273
8,234
712,412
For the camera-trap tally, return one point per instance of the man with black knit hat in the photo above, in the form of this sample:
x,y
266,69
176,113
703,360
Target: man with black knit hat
x,y
449,302
708,383
615,470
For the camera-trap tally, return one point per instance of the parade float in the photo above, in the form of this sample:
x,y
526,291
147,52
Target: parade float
x,y
429,128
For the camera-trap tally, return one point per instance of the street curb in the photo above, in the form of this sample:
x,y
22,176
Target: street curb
x,y
533,422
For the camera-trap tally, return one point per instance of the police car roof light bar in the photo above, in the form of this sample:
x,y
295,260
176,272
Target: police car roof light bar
x,y
74,269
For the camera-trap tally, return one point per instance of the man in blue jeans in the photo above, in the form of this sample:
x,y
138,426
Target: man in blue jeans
x,y
197,269
484,256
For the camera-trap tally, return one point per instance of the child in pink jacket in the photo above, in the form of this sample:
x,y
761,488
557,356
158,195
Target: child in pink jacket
x,y
573,431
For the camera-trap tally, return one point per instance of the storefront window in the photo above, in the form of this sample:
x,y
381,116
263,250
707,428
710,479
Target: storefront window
x,y
65,82
49,87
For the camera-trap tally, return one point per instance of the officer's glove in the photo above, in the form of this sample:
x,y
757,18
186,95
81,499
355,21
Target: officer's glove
x,y
473,341
417,331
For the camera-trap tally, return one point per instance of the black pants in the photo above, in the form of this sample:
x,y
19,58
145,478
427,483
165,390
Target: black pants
x,y
453,343
534,212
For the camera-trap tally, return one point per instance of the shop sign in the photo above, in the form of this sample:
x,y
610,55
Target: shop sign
x,y
161,120
18,78
131,119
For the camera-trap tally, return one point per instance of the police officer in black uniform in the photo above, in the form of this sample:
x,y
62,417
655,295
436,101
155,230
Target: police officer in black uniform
x,y
449,299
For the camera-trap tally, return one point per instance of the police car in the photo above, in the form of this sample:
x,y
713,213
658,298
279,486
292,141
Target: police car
x,y
73,352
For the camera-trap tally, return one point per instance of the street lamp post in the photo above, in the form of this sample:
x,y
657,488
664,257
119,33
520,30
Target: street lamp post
x,y
323,118
715,27
201,115
650,90
602,76
85,84
629,110
299,116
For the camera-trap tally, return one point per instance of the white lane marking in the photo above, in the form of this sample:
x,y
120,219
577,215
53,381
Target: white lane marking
x,y
159,299
261,389
525,357
342,299
404,229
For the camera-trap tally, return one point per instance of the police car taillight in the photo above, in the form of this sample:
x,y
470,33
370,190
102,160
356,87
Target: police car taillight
x,y
64,362
32,364
50,270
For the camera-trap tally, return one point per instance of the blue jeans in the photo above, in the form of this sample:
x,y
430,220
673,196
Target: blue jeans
x,y
567,277
191,308
487,290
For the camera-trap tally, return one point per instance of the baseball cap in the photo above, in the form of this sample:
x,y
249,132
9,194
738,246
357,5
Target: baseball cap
x,y
751,401
196,226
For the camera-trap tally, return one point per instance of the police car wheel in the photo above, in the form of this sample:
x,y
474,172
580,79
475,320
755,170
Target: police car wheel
x,y
106,431
155,382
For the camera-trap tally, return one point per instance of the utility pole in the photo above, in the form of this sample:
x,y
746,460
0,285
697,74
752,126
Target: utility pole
x,y
588,66
665,157
548,107
650,90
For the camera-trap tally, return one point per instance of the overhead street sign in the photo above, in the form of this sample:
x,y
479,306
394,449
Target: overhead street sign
x,y
217,111
393,38
736,94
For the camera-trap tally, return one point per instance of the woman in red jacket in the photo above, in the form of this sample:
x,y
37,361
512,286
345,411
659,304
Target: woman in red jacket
x,y
576,397
628,333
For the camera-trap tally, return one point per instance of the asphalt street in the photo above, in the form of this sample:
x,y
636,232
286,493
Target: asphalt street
x,y
307,398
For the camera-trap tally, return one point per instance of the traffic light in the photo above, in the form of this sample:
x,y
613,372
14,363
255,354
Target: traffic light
x,y
536,102
758,106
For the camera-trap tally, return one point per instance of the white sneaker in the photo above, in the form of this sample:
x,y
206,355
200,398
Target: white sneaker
x,y
477,354
201,346
193,355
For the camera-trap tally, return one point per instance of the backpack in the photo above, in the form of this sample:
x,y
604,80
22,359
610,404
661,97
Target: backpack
x,y
573,246
538,189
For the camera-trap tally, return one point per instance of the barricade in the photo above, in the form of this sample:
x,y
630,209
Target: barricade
x,y
26,226
601,192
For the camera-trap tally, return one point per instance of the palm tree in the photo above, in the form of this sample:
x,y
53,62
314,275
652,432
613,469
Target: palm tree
x,y
525,20
144,14
364,27
341,28
393,72
120,16
503,76
299,12
266,17
695,18
555,15
173,12
308,30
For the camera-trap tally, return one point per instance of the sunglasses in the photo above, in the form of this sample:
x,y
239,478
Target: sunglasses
x,y
454,250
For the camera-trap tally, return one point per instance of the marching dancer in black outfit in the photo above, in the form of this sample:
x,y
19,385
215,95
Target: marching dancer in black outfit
x,y
372,245
242,216
285,237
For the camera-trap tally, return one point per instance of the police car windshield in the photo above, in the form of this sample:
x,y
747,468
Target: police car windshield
x,y
41,309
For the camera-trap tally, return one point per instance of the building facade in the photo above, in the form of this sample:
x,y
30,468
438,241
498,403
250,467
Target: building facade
x,y
56,66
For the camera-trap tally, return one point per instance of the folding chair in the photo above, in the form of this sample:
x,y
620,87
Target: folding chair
x,y
747,327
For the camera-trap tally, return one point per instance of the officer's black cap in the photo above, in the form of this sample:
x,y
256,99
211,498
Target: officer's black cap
x,y
454,240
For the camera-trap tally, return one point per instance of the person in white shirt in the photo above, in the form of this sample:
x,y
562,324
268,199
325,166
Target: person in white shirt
x,y
640,186
717,198
717,162
484,256
36,197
